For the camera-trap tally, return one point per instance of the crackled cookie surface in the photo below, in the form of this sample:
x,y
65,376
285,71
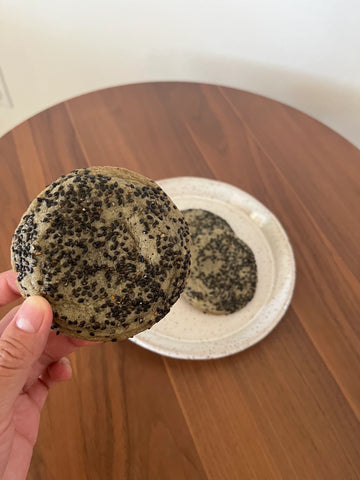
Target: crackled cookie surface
x,y
107,248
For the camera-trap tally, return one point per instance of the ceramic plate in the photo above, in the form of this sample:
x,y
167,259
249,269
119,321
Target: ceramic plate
x,y
187,332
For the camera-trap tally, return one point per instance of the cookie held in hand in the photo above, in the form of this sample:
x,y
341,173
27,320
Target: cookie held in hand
x,y
107,248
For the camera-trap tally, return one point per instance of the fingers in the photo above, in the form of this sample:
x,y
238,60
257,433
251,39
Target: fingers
x,y
59,371
57,346
61,345
7,319
15,469
21,345
56,372
8,288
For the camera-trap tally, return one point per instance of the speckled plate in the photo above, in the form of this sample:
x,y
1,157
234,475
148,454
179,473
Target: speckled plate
x,y
188,333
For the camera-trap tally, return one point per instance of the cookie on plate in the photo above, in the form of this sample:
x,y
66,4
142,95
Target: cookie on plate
x,y
223,273
107,248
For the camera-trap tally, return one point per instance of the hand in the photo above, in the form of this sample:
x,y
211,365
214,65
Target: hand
x,y
31,362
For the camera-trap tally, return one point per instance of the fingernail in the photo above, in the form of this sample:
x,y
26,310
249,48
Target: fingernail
x,y
29,317
65,361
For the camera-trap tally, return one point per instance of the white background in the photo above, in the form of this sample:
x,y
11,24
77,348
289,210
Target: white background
x,y
305,53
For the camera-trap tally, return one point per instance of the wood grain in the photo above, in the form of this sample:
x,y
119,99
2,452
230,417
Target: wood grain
x,y
287,408
253,169
320,174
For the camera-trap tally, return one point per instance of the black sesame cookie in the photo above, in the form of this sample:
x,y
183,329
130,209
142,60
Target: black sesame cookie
x,y
223,273
107,248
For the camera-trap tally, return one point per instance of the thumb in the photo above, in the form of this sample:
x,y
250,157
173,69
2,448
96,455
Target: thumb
x,y
21,344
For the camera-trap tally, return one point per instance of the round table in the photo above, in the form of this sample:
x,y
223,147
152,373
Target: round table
x,y
287,408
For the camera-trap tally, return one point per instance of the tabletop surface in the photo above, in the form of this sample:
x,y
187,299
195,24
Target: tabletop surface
x,y
287,408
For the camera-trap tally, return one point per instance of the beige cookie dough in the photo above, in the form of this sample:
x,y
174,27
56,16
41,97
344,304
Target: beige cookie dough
x,y
107,248
223,273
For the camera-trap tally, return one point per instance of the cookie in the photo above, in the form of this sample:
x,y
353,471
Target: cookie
x,y
223,273
201,222
107,248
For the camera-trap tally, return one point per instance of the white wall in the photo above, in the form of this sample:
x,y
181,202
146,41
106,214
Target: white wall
x,y
305,53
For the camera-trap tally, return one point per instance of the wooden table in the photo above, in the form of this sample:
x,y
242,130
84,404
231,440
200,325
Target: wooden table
x,y
288,408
